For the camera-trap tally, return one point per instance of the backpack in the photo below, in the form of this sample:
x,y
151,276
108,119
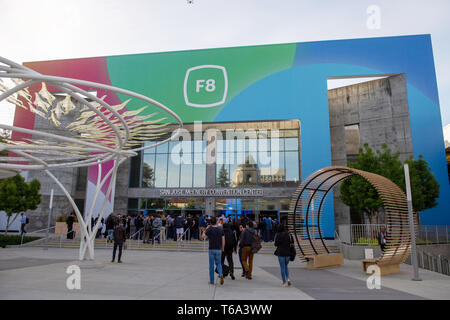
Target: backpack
x,y
157,223
179,222
229,236
27,221
256,243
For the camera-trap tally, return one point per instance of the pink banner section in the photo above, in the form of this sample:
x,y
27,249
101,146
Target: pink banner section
x,y
90,69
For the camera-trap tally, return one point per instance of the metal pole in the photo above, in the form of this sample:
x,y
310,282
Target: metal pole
x,y
411,226
48,220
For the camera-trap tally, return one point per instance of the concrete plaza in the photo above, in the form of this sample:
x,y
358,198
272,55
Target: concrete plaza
x,y
34,273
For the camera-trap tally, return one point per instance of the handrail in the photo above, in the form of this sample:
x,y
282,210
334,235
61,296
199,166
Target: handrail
x,y
184,233
36,231
131,236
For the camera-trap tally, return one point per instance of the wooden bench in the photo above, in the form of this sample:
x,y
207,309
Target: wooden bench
x,y
384,269
322,261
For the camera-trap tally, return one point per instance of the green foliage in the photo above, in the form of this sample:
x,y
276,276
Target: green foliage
x,y
222,180
424,186
64,219
4,136
18,196
190,205
147,176
6,240
358,194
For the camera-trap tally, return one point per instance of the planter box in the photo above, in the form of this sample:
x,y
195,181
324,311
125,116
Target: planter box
x,y
61,228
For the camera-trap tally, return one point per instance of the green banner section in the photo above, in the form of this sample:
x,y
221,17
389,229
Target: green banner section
x,y
197,84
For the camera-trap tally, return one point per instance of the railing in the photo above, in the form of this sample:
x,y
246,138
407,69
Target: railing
x,y
433,234
365,234
36,231
434,263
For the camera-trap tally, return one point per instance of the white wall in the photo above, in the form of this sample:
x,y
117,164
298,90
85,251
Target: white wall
x,y
13,227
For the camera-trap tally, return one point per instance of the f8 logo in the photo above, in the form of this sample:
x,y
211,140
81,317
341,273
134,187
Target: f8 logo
x,y
205,86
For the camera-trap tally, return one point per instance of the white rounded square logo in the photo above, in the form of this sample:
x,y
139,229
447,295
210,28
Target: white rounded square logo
x,y
205,86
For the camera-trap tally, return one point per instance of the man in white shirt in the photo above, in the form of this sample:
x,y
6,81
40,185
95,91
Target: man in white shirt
x,y
23,223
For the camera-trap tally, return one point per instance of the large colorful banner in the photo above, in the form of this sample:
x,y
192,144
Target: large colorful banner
x,y
286,81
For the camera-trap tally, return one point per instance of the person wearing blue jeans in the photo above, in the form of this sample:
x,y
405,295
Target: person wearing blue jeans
x,y
216,239
284,261
283,244
241,229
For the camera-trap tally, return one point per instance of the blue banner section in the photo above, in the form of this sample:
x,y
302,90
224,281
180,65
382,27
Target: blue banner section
x,y
301,93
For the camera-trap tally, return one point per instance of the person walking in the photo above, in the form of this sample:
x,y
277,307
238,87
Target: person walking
x,y
157,224
230,247
241,229
23,222
171,228
163,231
201,226
128,226
139,224
70,220
283,241
179,226
120,237
268,229
245,243
110,223
148,229
216,239
189,227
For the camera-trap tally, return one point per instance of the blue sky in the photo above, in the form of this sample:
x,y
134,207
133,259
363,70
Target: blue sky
x,y
54,29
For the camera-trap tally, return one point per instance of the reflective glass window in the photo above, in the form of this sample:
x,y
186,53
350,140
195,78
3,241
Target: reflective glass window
x,y
292,165
161,170
148,171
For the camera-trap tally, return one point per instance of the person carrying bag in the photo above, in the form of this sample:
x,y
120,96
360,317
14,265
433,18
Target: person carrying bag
x,y
285,252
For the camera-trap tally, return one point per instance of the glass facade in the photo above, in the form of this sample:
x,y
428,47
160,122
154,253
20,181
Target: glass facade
x,y
197,205
177,164
264,158
269,158
137,206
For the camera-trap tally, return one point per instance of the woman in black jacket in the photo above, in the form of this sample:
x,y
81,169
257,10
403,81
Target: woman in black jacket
x,y
283,243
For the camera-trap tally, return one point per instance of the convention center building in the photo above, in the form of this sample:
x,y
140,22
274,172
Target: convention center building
x,y
257,120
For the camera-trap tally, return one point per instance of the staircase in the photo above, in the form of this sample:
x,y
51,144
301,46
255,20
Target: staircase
x,y
168,245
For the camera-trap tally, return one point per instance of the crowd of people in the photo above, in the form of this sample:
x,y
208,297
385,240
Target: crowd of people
x,y
226,235
224,239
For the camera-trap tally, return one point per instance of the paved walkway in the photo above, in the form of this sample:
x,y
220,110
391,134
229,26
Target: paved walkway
x,y
34,273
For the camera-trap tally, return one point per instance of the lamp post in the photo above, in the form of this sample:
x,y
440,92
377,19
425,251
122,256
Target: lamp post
x,y
411,226
48,220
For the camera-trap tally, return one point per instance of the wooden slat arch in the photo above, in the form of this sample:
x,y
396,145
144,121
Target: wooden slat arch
x,y
307,204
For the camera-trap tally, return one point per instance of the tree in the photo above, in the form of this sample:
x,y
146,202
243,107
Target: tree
x,y
222,180
424,186
18,196
5,135
359,194
147,176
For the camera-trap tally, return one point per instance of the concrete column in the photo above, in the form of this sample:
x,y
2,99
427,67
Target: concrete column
x,y
211,138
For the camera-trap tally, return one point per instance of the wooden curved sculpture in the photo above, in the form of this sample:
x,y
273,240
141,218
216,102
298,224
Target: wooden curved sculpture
x,y
307,204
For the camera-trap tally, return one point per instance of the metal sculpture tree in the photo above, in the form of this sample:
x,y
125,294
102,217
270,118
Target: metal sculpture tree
x,y
101,133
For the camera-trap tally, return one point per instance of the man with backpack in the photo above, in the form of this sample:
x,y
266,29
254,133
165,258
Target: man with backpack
x,y
179,227
157,224
250,243
110,224
230,246
148,229
24,221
